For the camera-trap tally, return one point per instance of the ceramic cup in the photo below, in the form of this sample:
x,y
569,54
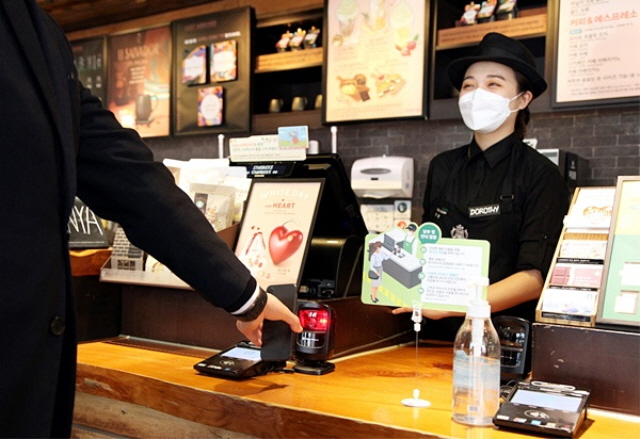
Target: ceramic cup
x,y
299,103
275,105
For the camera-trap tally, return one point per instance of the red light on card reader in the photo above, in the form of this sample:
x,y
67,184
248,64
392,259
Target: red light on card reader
x,y
314,319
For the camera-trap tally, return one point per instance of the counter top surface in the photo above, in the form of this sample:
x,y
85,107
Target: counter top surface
x,y
362,398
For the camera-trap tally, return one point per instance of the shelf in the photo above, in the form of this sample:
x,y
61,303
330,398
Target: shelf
x,y
269,123
164,279
297,59
452,42
88,262
523,27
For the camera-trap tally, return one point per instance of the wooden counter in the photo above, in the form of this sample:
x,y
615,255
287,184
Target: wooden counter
x,y
139,392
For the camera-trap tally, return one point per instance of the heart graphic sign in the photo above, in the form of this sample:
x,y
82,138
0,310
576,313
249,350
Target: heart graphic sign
x,y
284,243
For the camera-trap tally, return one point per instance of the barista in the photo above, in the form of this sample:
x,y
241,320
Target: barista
x,y
497,188
410,243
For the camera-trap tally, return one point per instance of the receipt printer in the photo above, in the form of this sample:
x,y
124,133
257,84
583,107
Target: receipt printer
x,y
383,177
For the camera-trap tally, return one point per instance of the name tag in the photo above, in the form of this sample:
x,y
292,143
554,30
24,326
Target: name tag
x,y
488,210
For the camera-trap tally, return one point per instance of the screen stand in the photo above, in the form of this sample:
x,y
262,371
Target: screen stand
x,y
311,367
416,401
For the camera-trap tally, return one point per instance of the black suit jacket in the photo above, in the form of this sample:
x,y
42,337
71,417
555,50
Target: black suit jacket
x,y
56,141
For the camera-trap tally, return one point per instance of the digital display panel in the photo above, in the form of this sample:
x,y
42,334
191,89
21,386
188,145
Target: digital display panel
x,y
243,354
547,400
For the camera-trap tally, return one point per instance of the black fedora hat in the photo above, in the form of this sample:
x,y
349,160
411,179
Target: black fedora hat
x,y
499,48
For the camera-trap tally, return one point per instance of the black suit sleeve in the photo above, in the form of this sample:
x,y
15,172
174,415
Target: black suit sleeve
x,y
119,180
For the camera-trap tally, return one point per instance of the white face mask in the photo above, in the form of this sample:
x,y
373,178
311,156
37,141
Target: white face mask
x,y
483,111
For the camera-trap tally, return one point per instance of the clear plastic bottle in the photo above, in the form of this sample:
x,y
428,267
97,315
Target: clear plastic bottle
x,y
476,367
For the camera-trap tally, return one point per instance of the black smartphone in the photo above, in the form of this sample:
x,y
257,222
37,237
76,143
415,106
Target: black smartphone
x,y
277,338
239,361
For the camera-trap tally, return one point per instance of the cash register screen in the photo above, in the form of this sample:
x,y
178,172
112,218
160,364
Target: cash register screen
x,y
547,400
339,214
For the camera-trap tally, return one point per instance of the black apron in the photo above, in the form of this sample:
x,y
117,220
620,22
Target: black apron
x,y
500,226
500,229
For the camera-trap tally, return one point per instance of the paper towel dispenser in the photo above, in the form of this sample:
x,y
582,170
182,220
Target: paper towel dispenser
x,y
383,177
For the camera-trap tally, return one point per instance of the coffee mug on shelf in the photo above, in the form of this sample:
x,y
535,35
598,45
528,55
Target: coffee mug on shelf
x,y
299,103
145,104
275,105
318,103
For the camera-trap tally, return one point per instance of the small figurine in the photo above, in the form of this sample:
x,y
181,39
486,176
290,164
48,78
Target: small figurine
x,y
470,14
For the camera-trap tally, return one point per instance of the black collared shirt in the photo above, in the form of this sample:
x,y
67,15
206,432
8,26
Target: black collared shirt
x,y
480,181
467,177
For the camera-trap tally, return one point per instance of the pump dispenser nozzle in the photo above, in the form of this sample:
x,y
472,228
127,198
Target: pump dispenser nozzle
x,y
477,311
478,306
416,316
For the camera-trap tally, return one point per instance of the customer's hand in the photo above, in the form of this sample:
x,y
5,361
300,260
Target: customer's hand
x,y
273,310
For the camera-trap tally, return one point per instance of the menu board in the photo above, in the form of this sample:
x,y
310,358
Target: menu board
x,y
140,80
212,73
596,58
89,56
375,60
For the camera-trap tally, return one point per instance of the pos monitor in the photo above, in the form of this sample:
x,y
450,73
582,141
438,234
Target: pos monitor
x,y
333,266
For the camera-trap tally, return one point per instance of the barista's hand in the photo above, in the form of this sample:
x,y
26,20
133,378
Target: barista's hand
x,y
432,314
273,310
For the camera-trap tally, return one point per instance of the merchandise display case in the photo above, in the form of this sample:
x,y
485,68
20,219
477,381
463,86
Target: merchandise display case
x,y
281,75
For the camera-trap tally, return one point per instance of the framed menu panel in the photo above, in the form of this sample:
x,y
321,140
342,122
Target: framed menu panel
x,y
596,60
276,229
140,80
212,73
90,58
619,301
374,60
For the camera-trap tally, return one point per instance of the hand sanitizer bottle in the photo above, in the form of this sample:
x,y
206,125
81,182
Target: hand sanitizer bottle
x,y
476,366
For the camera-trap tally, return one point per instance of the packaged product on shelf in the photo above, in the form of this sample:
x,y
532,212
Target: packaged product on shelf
x,y
470,14
295,43
506,9
311,38
283,43
487,9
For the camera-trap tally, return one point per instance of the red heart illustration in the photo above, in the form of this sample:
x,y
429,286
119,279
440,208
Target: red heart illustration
x,y
283,244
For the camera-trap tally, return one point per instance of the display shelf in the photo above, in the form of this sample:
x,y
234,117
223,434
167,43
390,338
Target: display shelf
x,y
287,74
532,26
205,101
298,59
570,292
269,123
89,261
165,279
452,42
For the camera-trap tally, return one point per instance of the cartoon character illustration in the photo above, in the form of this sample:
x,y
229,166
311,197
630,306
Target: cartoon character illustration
x,y
410,243
254,254
459,232
377,254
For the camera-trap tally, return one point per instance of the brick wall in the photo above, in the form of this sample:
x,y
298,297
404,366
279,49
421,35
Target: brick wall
x,y
609,138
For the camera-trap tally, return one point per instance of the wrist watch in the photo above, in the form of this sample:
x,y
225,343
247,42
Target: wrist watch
x,y
255,309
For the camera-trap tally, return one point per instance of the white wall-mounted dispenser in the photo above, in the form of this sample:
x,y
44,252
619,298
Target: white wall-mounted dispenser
x,y
383,177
